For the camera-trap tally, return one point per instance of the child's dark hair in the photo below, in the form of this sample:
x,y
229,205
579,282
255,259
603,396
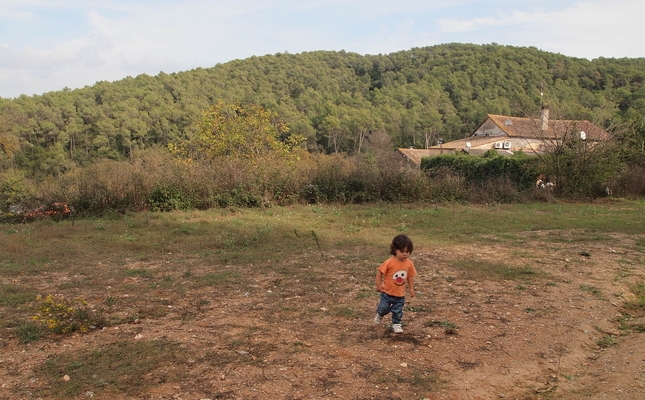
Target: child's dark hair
x,y
401,243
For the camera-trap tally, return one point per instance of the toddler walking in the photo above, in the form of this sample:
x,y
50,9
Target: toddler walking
x,y
391,278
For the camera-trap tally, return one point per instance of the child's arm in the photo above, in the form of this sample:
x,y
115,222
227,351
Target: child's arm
x,y
411,286
379,278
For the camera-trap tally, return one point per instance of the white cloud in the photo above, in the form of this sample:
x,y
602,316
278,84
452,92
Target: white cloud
x,y
585,29
51,44
514,18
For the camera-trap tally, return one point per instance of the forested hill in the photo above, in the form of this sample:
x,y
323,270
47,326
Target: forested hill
x,y
332,98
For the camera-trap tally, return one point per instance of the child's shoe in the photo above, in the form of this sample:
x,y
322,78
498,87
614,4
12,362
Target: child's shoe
x,y
396,328
378,319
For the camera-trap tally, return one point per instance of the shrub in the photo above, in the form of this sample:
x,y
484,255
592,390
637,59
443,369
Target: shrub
x,y
66,316
168,198
237,197
28,332
630,182
15,189
520,171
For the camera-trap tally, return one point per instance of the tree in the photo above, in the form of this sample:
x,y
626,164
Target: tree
x,y
10,117
323,95
332,127
360,122
633,141
246,131
578,155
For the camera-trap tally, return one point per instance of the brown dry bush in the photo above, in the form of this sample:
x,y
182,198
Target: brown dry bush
x,y
155,180
496,190
631,182
364,178
233,181
448,186
120,185
114,185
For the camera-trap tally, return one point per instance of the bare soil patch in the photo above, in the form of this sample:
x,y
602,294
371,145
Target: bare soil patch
x,y
490,321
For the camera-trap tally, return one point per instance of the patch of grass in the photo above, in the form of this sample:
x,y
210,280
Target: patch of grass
x,y
623,321
418,309
626,324
640,244
124,368
466,365
352,228
140,272
26,266
478,269
591,289
217,279
365,293
75,284
14,295
606,341
424,380
9,268
188,229
346,312
622,274
638,289
448,327
129,237
152,311
27,332
578,236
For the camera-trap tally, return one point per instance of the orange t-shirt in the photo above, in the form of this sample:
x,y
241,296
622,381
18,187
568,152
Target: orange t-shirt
x,y
395,275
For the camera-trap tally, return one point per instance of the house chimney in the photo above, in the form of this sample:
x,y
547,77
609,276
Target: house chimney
x,y
544,117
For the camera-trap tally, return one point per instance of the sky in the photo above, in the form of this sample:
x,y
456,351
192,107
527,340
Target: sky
x,y
49,45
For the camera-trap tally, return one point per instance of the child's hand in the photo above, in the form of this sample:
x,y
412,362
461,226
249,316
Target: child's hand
x,y
378,288
412,293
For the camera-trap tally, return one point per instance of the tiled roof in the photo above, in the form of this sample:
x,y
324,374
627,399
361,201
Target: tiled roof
x,y
415,155
523,133
461,143
531,128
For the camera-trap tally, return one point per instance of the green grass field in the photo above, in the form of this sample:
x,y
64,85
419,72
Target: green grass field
x,y
255,235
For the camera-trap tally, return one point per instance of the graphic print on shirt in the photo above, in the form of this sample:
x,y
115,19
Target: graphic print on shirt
x,y
399,277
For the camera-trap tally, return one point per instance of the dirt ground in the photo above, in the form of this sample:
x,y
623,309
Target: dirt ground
x,y
297,331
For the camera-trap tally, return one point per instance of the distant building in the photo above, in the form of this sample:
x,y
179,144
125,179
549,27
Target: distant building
x,y
507,135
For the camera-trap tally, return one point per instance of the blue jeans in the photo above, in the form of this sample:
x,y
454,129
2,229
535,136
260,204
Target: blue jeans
x,y
391,304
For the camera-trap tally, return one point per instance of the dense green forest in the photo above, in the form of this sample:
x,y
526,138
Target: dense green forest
x,y
333,99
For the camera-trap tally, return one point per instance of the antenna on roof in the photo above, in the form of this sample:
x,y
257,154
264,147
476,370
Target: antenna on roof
x,y
541,95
